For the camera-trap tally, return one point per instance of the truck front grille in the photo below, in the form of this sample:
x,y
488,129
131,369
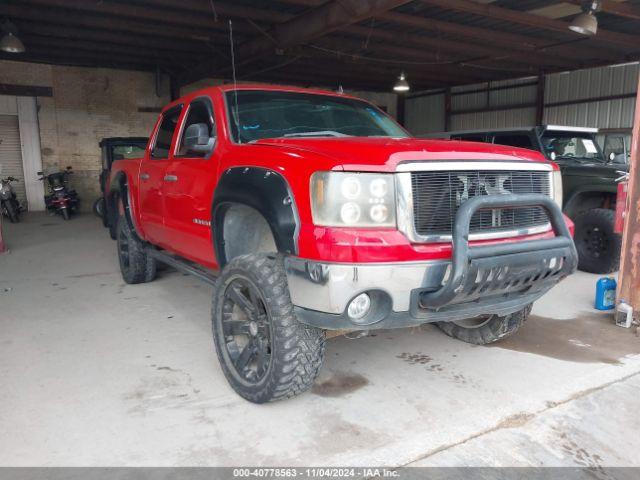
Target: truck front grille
x,y
437,195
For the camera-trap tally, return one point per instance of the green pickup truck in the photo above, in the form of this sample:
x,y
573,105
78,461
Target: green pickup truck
x,y
588,181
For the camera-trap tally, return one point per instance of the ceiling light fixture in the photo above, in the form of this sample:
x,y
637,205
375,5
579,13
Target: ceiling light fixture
x,y
401,85
587,23
9,42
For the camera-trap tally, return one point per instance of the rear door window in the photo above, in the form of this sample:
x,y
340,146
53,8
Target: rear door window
x,y
164,136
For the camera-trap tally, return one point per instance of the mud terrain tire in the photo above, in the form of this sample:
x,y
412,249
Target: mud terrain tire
x,y
135,265
597,244
486,330
265,353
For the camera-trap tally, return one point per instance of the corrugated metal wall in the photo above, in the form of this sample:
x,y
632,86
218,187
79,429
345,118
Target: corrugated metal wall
x,y
592,83
492,100
495,119
426,114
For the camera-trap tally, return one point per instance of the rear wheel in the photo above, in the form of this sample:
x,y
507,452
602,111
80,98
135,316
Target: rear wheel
x,y
12,212
265,353
135,265
597,244
486,329
98,208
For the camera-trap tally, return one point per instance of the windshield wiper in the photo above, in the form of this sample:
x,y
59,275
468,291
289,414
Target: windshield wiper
x,y
320,133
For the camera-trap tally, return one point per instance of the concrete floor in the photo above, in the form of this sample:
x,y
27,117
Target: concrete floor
x,y
96,372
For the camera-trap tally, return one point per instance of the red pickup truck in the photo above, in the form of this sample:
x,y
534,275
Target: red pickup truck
x,y
312,211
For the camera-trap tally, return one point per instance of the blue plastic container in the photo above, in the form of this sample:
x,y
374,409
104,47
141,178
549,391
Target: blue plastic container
x,y
605,293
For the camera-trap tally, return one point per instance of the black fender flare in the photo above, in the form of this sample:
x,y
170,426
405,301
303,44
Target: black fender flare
x,y
119,189
264,190
116,188
591,190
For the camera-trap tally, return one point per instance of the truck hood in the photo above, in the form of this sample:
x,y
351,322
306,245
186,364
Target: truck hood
x,y
594,169
384,154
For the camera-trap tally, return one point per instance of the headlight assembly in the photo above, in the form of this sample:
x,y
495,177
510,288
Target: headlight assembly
x,y
346,199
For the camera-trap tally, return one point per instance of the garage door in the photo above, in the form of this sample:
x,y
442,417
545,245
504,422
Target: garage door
x,y
11,154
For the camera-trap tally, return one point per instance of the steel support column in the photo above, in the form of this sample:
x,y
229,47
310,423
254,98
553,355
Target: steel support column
x,y
629,277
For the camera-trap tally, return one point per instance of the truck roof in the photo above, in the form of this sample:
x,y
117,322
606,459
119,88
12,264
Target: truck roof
x,y
229,87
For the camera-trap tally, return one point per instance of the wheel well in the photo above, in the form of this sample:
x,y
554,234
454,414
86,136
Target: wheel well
x,y
244,231
584,201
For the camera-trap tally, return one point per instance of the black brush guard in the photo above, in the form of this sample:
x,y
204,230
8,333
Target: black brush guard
x,y
501,272
497,279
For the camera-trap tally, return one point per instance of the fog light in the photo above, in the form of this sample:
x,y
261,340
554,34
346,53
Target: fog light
x,y
359,307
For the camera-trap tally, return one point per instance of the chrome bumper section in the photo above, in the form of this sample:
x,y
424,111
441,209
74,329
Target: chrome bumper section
x,y
490,279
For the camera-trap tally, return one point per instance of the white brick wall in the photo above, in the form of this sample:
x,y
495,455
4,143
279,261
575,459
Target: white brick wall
x,y
88,104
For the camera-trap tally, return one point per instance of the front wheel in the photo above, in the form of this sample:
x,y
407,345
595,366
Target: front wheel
x,y
265,353
486,329
597,244
65,213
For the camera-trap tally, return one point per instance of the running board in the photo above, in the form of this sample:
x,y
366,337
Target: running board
x,y
183,265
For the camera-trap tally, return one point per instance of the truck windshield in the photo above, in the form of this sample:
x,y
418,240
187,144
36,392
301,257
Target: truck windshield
x,y
273,114
566,145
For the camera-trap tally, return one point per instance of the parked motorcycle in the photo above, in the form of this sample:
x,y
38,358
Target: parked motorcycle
x,y
61,199
9,204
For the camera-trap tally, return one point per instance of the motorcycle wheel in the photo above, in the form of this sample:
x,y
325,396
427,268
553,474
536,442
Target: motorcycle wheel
x,y
12,212
98,207
65,213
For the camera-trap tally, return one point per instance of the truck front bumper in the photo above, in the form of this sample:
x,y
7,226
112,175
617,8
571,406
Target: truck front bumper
x,y
501,278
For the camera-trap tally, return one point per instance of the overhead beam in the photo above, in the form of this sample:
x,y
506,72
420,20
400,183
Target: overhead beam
x,y
567,51
437,44
133,11
92,20
125,40
408,59
341,69
138,54
222,9
320,21
621,9
310,25
531,20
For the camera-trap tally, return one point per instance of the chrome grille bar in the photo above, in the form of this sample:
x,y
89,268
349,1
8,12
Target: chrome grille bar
x,y
430,194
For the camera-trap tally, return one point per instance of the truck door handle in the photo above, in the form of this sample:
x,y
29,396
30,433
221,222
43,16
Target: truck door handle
x,y
144,176
170,178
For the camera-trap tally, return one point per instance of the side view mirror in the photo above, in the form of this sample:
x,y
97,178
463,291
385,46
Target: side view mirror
x,y
197,139
620,158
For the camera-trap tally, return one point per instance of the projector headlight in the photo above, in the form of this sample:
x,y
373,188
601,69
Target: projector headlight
x,y
346,199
